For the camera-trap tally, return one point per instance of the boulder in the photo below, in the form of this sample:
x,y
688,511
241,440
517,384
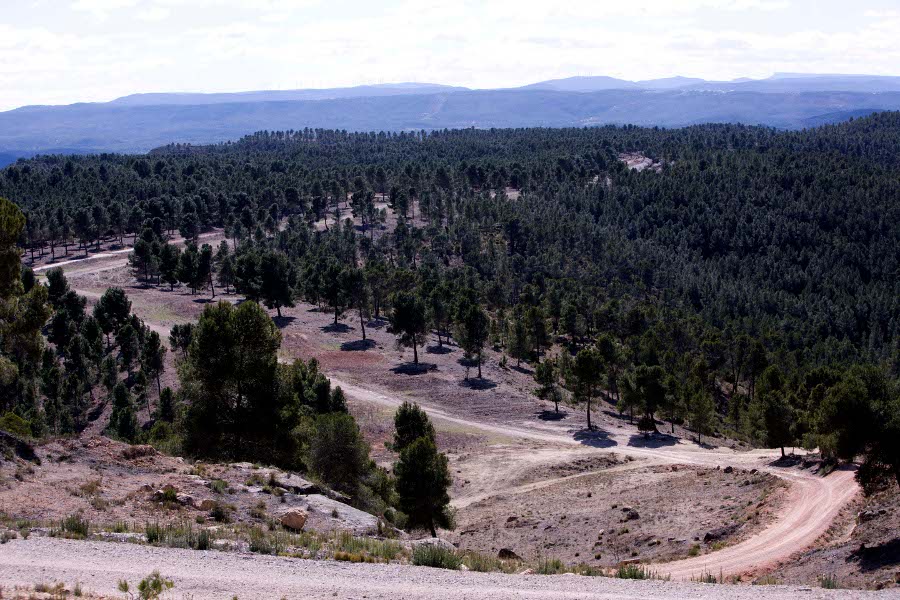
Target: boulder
x,y
206,505
140,451
866,515
729,469
436,542
632,515
296,484
507,554
294,519
185,500
720,533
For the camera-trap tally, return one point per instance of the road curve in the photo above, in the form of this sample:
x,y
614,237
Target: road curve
x,y
812,504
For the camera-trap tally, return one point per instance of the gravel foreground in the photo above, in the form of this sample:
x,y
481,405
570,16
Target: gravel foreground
x,y
98,566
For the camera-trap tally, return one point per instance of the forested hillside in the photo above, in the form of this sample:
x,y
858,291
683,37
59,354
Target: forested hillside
x,y
751,278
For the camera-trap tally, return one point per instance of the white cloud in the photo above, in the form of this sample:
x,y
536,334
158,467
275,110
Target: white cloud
x,y
100,49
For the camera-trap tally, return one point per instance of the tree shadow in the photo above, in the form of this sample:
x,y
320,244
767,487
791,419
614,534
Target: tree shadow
x,y
878,557
357,345
379,323
595,438
551,415
653,440
336,328
477,384
438,349
522,369
790,460
413,368
96,412
282,322
203,300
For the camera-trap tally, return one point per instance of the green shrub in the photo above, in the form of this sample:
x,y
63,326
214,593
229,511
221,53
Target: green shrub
x,y
436,556
74,526
829,582
550,566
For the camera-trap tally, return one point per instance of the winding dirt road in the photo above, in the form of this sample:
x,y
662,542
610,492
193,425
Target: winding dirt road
x,y
812,504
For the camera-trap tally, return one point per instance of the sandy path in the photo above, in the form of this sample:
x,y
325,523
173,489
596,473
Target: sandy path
x,y
812,505
201,575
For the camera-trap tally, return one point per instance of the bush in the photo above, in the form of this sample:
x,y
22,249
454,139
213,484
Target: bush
x,y
428,555
16,425
337,453
75,526
550,566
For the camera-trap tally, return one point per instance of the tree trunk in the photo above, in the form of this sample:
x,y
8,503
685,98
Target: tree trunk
x,y
431,527
782,452
362,323
415,352
158,384
479,364
589,413
278,310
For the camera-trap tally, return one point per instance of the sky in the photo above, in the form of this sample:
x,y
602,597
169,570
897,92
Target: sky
x,y
65,51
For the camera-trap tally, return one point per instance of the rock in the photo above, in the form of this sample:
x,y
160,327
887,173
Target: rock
x,y
294,519
297,484
675,468
720,533
632,515
729,469
321,508
507,554
435,542
206,504
185,500
626,509
511,519
866,515
140,451
753,471
527,572
463,568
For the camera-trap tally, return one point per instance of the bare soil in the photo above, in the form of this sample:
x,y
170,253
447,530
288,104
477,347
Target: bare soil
x,y
513,456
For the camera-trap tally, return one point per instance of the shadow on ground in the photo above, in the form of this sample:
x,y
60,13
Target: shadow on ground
x,y
336,328
413,368
551,415
595,438
878,557
282,322
475,383
438,350
653,440
357,345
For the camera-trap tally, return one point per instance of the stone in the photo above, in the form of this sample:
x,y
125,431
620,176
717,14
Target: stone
x,y
433,542
132,452
729,469
720,533
294,519
632,515
185,500
206,504
507,554
866,515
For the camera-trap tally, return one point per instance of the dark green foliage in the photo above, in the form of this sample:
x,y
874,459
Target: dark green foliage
x,y
338,455
410,423
423,480
408,321
229,377
860,416
123,422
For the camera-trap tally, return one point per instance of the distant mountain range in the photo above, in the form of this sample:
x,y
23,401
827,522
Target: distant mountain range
x,y
141,122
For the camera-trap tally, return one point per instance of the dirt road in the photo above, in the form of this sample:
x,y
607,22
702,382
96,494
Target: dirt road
x,y
812,504
98,566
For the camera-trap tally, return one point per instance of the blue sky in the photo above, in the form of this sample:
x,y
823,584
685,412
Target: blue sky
x,y
63,51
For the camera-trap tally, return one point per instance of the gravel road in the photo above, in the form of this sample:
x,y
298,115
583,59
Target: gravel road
x,y
199,575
